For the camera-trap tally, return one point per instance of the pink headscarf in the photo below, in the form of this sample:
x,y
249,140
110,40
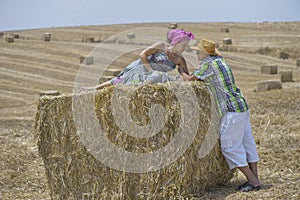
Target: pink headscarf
x,y
176,36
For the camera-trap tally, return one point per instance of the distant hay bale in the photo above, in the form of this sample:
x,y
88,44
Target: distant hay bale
x,y
284,55
130,36
1,34
98,39
9,39
49,93
87,60
46,37
120,41
112,72
286,76
113,40
298,63
172,26
269,69
268,85
74,173
227,41
264,51
88,39
15,35
225,30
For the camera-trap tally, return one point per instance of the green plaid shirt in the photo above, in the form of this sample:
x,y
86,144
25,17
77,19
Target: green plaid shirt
x,y
218,75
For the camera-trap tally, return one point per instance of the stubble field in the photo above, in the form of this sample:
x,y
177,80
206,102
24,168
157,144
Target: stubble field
x,y
30,65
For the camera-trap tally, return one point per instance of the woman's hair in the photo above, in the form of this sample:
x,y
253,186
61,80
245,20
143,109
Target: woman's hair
x,y
176,36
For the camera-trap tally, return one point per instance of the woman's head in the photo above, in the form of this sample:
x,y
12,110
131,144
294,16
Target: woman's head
x,y
179,40
176,36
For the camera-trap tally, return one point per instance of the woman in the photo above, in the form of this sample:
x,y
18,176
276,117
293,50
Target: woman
x,y
237,142
154,62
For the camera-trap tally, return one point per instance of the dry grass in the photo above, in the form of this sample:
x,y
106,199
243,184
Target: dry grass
x,y
30,65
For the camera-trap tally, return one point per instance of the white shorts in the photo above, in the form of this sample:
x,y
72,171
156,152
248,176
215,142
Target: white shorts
x,y
237,142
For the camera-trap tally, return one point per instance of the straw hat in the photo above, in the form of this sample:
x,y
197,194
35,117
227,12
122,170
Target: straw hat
x,y
208,46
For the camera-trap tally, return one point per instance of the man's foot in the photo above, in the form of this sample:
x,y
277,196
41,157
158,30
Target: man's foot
x,y
249,187
240,186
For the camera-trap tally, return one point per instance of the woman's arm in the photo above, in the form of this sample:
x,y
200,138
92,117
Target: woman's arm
x,y
185,76
182,64
149,51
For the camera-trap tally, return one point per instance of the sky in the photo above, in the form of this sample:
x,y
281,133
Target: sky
x,y
31,14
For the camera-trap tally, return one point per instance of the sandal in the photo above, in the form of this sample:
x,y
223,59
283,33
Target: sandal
x,y
241,186
249,187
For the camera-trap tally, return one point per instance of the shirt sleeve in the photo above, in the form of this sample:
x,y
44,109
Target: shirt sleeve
x,y
202,72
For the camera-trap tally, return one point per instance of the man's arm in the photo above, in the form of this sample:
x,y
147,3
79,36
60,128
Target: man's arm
x,y
185,76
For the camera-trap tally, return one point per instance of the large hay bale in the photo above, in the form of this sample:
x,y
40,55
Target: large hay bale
x,y
268,85
286,76
73,172
269,69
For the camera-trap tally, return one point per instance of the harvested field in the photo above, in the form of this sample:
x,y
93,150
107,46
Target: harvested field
x,y
30,65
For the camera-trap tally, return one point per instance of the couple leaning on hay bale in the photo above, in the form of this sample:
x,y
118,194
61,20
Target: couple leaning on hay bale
x,y
154,62
237,142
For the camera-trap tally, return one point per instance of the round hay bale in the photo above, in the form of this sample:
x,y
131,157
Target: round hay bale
x,y
74,172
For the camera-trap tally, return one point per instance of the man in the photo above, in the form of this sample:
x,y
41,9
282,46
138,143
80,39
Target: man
x,y
237,142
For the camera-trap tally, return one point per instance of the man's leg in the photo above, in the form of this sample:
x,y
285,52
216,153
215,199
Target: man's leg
x,y
253,168
251,177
